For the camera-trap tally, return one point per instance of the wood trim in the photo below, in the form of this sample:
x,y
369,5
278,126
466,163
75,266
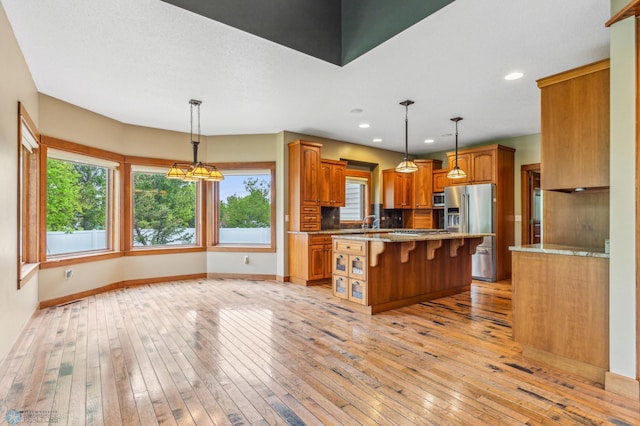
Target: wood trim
x,y
637,181
115,286
26,272
481,149
27,237
77,148
234,248
42,205
212,235
282,278
526,212
632,9
157,250
254,277
84,258
127,208
622,385
23,114
362,175
573,73
147,161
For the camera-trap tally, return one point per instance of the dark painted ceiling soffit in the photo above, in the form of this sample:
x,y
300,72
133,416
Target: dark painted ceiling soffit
x,y
336,31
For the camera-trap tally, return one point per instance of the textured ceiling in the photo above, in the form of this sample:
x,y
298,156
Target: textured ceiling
x,y
141,61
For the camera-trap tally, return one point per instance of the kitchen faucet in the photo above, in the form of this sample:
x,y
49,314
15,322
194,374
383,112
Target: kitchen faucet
x,y
369,222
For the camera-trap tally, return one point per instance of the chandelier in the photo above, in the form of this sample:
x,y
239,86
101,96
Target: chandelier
x,y
195,170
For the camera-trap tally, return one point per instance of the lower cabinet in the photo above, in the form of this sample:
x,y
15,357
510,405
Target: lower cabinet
x,y
350,270
309,258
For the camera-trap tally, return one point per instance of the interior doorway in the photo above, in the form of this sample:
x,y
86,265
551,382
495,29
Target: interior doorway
x,y
531,204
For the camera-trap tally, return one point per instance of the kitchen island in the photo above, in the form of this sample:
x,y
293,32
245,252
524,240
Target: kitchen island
x,y
384,271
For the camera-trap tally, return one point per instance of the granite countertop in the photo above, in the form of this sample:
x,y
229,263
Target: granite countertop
x,y
399,237
345,231
561,249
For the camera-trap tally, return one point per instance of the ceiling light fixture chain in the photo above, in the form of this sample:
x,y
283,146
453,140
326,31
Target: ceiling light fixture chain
x,y
456,172
406,165
195,170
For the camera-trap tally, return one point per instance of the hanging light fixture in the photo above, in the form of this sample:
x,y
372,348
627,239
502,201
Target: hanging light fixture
x,y
406,165
196,170
456,172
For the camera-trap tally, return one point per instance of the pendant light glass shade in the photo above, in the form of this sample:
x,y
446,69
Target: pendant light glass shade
x,y
406,165
195,170
456,172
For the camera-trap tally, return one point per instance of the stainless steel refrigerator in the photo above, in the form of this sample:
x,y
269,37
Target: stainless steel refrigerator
x,y
472,209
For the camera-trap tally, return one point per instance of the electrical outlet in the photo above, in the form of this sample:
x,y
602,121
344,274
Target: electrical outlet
x,y
246,260
68,273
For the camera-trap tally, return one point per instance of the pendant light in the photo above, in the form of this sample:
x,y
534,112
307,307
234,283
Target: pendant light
x,y
456,172
196,170
406,165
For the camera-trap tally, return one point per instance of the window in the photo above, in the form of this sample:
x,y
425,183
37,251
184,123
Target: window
x,y
164,210
79,203
28,173
356,197
245,206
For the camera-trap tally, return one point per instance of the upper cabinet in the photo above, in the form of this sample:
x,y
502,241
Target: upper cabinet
x,y
423,183
574,146
482,165
397,189
464,161
440,180
304,188
332,183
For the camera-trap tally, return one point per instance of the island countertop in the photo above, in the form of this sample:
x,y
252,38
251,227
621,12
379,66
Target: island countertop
x,y
404,236
561,249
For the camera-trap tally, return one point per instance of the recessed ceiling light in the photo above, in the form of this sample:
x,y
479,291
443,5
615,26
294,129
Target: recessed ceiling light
x,y
429,141
356,111
513,76
377,140
365,125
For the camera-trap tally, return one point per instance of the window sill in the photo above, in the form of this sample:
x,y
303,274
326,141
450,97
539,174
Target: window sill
x,y
147,251
79,258
241,248
27,271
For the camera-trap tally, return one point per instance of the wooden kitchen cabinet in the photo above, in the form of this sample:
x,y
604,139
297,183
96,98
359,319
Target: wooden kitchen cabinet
x,y
464,163
332,183
423,183
480,164
350,270
440,180
574,145
310,258
561,311
483,165
304,188
397,190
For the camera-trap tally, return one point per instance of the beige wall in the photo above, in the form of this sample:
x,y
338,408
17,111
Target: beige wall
x,y
622,266
16,84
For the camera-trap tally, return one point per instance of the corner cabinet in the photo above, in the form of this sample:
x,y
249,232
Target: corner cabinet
x,y
332,183
304,188
397,190
574,147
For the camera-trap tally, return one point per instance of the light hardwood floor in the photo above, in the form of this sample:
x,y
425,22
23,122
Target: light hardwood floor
x,y
261,352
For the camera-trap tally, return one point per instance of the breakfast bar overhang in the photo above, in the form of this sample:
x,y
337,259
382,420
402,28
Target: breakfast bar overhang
x,y
384,271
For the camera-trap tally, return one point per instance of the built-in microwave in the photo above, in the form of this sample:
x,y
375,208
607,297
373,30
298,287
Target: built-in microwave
x,y
438,199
